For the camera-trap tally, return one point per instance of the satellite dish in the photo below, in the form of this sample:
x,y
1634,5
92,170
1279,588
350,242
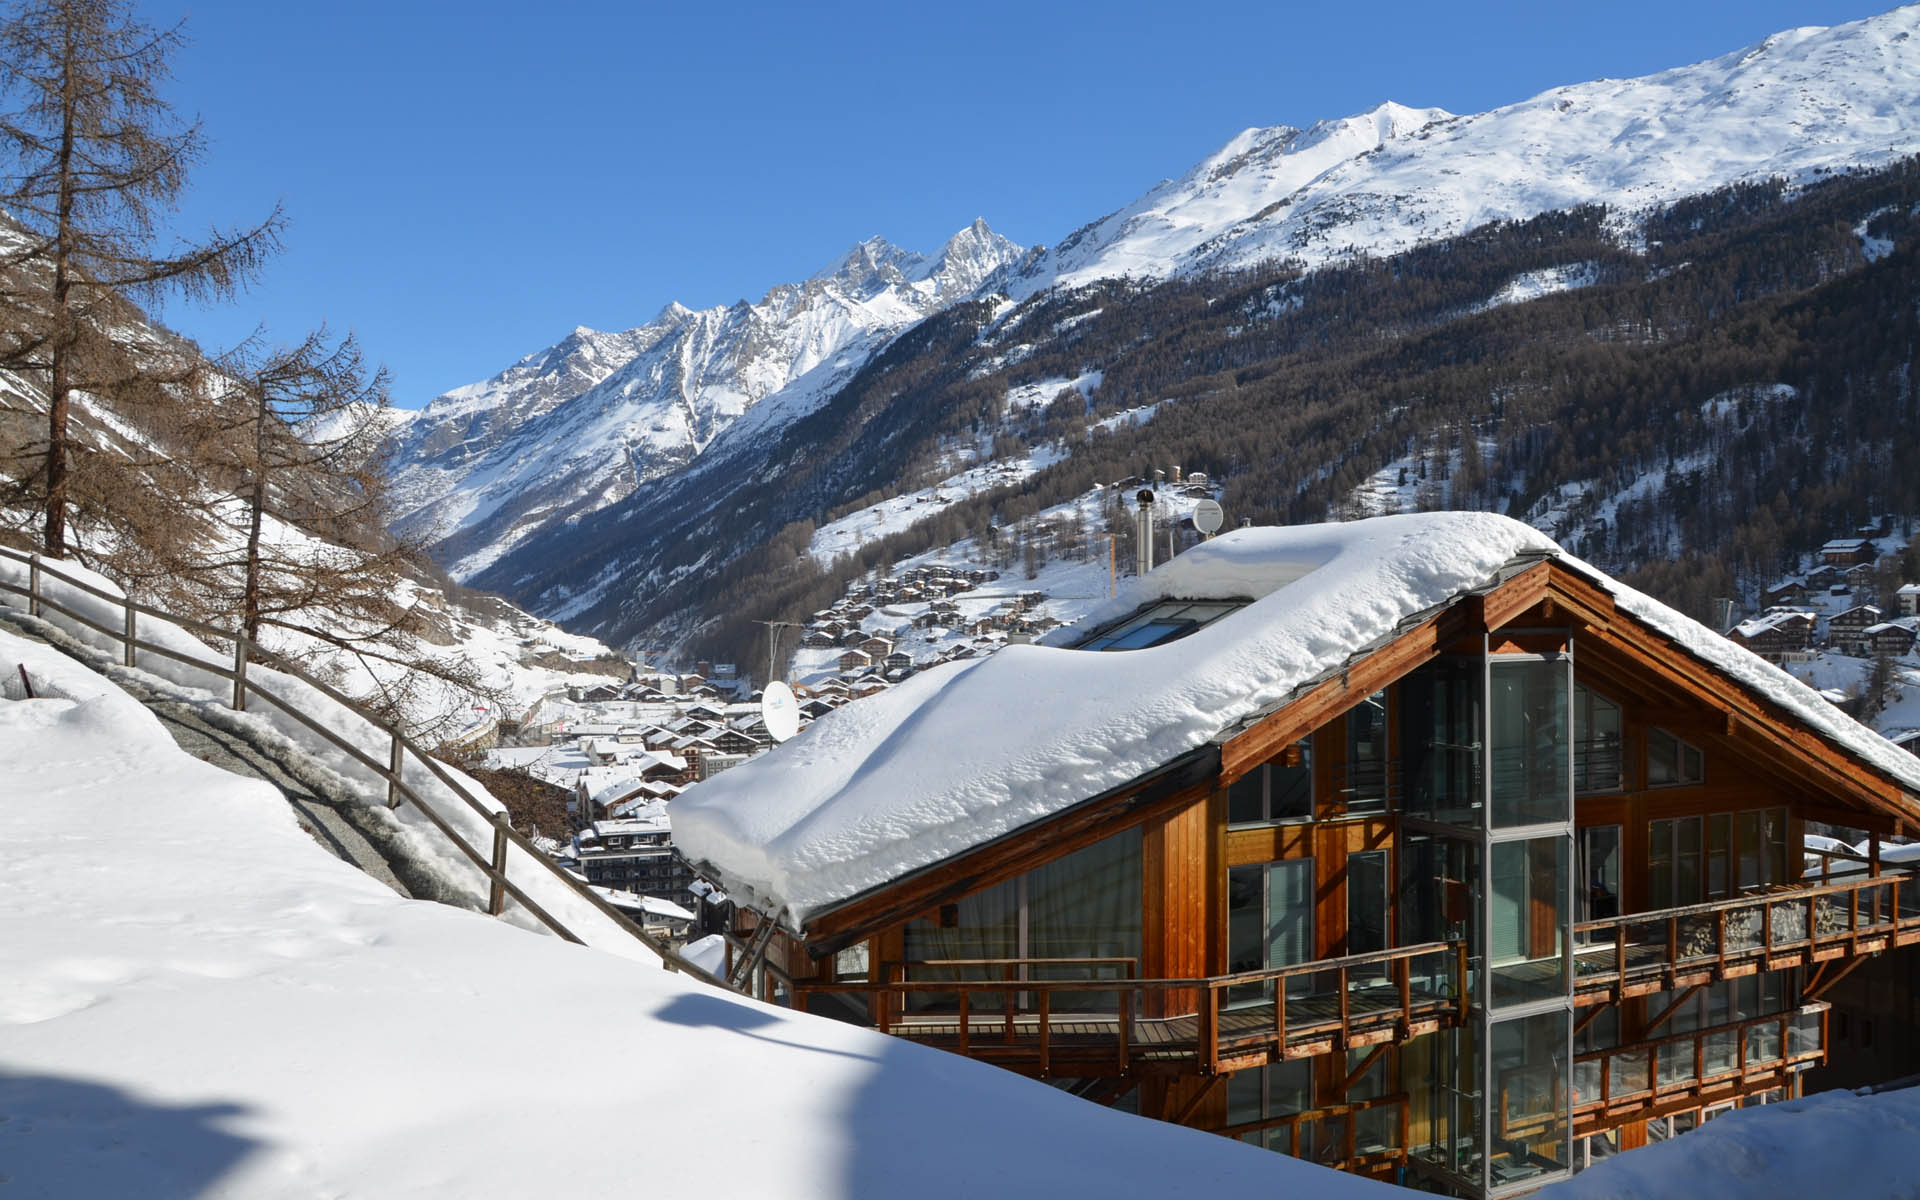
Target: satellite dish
x,y
1208,516
780,711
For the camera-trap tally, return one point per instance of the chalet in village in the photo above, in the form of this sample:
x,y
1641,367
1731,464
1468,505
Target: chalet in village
x,y
1409,846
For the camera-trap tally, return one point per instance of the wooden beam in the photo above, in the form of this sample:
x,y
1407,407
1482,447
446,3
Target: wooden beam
x,y
1826,981
1199,1097
1593,1014
1366,1064
1669,1010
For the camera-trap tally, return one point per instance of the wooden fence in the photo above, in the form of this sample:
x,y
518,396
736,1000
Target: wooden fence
x,y
401,749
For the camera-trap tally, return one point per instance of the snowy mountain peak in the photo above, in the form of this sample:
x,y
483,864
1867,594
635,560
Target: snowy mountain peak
x,y
1798,103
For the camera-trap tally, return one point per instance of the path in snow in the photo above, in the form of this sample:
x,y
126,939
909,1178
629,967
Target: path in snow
x,y
347,831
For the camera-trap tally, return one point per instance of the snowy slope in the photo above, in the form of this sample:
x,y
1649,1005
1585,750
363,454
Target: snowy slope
x,y
171,1027
1796,104
579,425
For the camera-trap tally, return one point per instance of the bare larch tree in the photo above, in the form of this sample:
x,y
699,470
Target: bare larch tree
x,y
91,158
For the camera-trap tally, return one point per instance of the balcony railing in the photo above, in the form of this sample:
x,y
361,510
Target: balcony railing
x,y
1754,1051
1346,1137
1644,952
1013,1012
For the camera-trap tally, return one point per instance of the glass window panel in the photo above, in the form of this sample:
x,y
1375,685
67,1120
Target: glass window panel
x,y
1663,758
1365,785
1086,905
1660,864
1532,1100
1719,856
1596,742
1290,788
1527,935
1753,849
1777,846
1600,854
1440,749
1530,734
1247,798
1366,901
1269,923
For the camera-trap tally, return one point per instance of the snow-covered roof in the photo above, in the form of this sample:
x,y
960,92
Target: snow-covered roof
x,y
961,754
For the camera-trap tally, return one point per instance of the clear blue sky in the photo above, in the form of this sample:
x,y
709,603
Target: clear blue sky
x,y
466,181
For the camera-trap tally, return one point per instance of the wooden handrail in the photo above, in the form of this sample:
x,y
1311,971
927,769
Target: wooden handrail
x,y
1239,979
1711,907
391,772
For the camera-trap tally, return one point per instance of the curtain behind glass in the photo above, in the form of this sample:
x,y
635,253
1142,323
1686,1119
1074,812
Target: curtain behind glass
x,y
1086,905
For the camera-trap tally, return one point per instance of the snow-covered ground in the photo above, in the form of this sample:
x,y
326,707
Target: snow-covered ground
x,y
198,1001
1828,1144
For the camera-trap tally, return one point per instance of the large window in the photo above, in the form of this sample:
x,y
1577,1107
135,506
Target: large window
x,y
1440,732
1527,917
1084,905
1694,859
1264,1093
1281,790
1597,741
1364,785
1269,923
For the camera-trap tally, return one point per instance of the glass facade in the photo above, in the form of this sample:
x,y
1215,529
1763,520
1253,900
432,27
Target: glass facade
x,y
1083,905
1488,854
1269,924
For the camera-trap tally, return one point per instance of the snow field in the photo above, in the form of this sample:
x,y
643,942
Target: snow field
x,y
197,1001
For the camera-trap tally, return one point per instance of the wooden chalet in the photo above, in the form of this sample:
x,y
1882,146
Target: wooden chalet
x,y
1517,875
1846,631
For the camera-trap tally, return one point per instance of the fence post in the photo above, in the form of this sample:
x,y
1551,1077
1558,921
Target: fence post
x,y
128,636
239,673
33,585
496,880
395,754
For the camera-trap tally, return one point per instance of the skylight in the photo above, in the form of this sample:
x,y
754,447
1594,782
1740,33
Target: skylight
x,y
1168,621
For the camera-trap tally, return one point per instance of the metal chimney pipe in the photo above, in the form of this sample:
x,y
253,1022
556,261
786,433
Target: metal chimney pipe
x,y
1143,531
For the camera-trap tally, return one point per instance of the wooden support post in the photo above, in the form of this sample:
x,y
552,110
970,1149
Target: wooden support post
x,y
1403,975
33,585
497,878
1008,998
1280,1016
239,673
1344,1009
396,759
127,636
894,973
1873,854
1046,1014
1210,1031
1126,1029
966,1020
1461,999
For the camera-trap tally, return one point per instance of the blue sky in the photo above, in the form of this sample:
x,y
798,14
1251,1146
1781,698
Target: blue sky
x,y
468,181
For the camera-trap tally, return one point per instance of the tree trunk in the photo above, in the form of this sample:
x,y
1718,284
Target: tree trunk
x,y
58,399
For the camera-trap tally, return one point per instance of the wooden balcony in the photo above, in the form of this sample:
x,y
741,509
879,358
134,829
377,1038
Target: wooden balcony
x,y
1837,918
1686,1070
1081,1017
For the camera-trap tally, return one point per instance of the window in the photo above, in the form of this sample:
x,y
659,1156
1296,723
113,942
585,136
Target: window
x,y
1269,923
1528,729
1366,901
1160,623
1364,787
1281,790
1263,1093
1672,762
1741,852
1597,760
1083,905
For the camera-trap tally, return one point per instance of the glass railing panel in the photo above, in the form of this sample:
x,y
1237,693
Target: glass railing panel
x,y
1830,915
1763,1044
1432,974
1377,1130
1721,1053
1627,1073
1908,899
1803,1034
1586,1082
1876,906
1789,922
1699,937
1676,1064
1745,929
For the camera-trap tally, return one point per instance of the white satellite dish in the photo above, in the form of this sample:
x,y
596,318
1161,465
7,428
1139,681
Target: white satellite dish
x,y
1208,516
780,711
